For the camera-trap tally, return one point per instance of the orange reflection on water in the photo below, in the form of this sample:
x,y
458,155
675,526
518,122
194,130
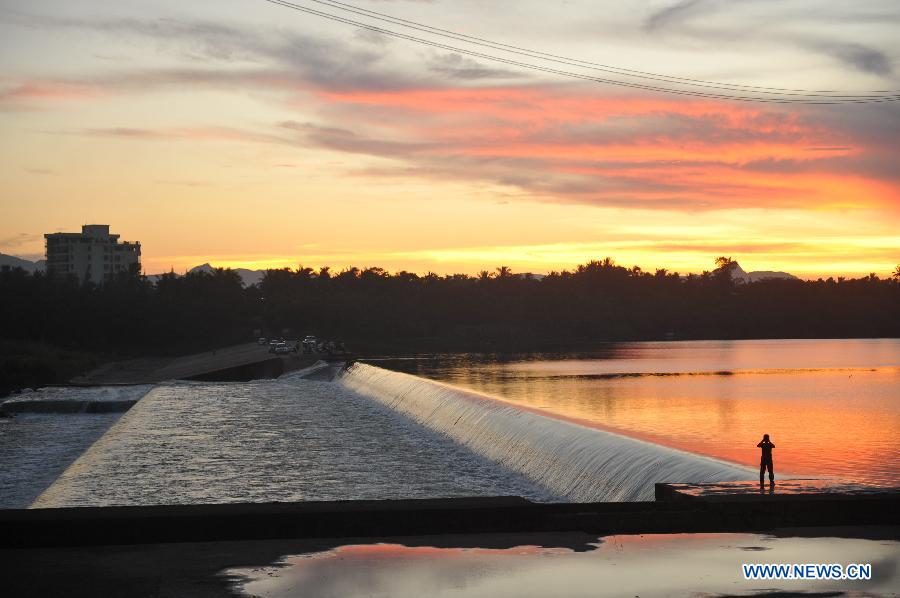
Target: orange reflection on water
x,y
649,565
831,407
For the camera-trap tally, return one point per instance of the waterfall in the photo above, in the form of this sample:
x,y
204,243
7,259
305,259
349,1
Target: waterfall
x,y
580,463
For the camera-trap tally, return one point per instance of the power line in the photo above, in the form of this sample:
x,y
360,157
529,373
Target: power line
x,y
825,100
587,64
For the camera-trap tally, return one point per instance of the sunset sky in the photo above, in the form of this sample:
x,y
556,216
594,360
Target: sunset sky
x,y
247,134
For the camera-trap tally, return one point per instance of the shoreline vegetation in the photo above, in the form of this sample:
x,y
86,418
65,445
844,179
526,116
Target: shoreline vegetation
x,y
52,329
28,364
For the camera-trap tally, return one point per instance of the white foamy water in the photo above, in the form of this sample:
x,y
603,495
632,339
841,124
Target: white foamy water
x,y
35,448
715,398
273,440
573,461
74,394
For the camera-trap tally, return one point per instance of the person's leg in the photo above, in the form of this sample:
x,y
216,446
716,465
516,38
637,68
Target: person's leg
x,y
762,471
771,472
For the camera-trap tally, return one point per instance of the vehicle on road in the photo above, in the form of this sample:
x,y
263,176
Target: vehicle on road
x,y
309,343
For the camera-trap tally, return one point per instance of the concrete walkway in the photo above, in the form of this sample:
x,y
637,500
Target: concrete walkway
x,y
199,365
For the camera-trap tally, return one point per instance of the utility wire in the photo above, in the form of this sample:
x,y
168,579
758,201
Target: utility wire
x,y
594,65
826,100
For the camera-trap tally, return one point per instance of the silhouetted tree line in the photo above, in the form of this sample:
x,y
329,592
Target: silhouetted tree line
x,y
374,310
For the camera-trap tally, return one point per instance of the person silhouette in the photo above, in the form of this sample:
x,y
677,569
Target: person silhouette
x,y
765,460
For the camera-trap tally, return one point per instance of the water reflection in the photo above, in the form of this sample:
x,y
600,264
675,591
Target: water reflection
x,y
681,564
832,406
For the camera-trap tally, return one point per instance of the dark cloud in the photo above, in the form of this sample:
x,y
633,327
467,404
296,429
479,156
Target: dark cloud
x,y
344,140
353,63
457,66
126,132
812,26
370,36
671,127
194,38
874,130
184,133
672,13
860,57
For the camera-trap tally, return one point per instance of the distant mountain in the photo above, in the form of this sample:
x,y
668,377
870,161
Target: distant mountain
x,y
738,273
252,277
17,262
207,268
248,277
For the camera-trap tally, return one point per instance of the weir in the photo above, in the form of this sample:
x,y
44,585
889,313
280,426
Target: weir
x,y
107,399
576,462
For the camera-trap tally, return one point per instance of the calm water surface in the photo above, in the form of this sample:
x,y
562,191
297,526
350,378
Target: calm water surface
x,y
678,565
832,407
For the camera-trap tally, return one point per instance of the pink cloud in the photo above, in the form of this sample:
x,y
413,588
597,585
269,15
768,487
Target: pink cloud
x,y
580,146
41,93
568,144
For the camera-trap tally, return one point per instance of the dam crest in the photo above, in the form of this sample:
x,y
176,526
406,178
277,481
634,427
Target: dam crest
x,y
572,461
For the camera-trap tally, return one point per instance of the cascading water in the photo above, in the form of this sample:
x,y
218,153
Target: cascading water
x,y
285,440
580,463
48,430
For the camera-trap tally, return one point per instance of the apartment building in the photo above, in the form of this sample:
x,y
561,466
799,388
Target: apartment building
x,y
91,255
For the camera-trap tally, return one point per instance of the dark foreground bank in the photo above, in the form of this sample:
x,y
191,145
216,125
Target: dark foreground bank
x,y
570,564
364,548
227,522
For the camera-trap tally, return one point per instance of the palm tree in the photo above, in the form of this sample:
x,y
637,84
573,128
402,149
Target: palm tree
x,y
723,263
723,272
304,273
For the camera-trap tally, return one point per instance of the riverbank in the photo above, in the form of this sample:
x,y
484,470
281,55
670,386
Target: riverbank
x,y
248,361
26,364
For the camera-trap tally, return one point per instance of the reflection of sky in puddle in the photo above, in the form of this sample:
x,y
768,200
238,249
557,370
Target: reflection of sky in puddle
x,y
748,490
649,565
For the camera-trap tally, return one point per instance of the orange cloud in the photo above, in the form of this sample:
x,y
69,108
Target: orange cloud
x,y
184,133
616,150
37,93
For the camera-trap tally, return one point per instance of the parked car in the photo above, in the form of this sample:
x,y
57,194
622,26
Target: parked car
x,y
281,349
262,340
